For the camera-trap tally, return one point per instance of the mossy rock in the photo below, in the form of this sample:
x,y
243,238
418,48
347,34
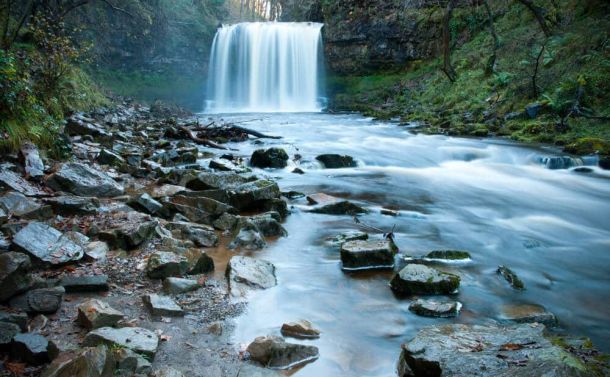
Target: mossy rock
x,y
448,254
589,145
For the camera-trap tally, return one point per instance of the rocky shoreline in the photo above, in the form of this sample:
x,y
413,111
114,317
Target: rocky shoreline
x,y
109,264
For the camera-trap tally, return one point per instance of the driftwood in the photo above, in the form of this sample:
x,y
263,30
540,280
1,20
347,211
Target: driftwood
x,y
254,133
198,140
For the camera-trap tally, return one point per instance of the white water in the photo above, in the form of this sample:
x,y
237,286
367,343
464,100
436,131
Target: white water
x,y
266,67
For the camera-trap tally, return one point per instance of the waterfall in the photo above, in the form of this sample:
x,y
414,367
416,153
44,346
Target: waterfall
x,y
266,67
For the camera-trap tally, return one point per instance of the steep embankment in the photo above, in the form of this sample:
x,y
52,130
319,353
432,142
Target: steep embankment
x,y
385,61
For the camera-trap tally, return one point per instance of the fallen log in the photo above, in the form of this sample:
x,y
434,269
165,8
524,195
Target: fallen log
x,y
254,133
201,141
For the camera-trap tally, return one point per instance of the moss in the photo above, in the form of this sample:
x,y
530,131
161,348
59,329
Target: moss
x,y
448,254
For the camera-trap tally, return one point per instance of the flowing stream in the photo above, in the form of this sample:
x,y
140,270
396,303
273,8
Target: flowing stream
x,y
490,197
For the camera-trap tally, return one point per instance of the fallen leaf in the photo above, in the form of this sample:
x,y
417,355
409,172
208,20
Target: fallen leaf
x,y
511,347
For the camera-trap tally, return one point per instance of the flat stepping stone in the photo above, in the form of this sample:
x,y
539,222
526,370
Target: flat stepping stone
x,y
431,308
47,244
91,283
367,255
300,329
417,279
32,348
448,255
275,353
244,273
136,339
173,285
93,314
528,313
162,306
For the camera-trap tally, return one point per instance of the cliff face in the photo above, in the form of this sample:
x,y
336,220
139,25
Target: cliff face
x,y
363,36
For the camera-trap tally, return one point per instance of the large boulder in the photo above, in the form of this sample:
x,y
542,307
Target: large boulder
x,y
269,224
248,236
13,181
270,158
201,235
85,283
336,161
14,277
81,125
80,179
366,255
134,338
17,204
213,181
417,279
93,314
208,205
33,348
254,194
246,273
163,264
127,230
42,300
274,352
88,362
47,244
472,350
433,308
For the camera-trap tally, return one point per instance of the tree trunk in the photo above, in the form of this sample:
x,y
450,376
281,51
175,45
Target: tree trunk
x,y
447,67
539,14
491,63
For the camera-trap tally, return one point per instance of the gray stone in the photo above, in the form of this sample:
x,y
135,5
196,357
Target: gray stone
x,y
163,264
42,300
167,372
129,363
47,244
246,272
365,255
201,235
68,205
88,362
226,222
34,349
350,236
222,164
178,285
269,224
253,195
203,264
93,314
32,163
134,338
472,350
528,313
80,125
300,329
213,181
80,179
417,279
15,317
208,205
147,204
248,237
335,161
270,158
432,308
128,230
13,181
97,250
107,157
250,370
162,306
17,204
87,283
274,352
14,277
560,162
7,332
510,277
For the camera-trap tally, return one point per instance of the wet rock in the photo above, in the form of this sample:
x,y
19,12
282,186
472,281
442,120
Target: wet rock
x,y
146,203
292,195
213,181
455,255
32,163
276,205
158,192
432,308
17,204
80,179
78,238
203,265
97,250
226,222
93,314
15,317
134,338
248,237
364,255
208,205
47,244
13,181
129,363
252,195
14,276
42,300
201,235
560,162
389,212
88,362
3,217
300,329
528,313
167,372
604,162
250,370
298,171
162,306
274,352
270,158
350,236
7,332
335,161
80,125
466,350
107,157
73,205
222,164
32,348
269,224
178,285
342,207
127,230
87,283
178,156
163,264
417,279
510,277
246,272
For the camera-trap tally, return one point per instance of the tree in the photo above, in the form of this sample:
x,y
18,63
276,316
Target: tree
x,y
447,67
539,13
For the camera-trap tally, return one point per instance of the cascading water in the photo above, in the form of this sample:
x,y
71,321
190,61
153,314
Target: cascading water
x,y
266,67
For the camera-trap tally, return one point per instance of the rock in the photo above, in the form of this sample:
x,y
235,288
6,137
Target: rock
x,y
250,370
528,313
80,179
208,205
97,250
248,237
472,350
246,272
42,300
604,162
14,277
203,265
226,222
215,328
533,109
350,236
90,283
167,372
274,352
34,349
47,244
7,332
269,224
417,279
136,339
73,205
17,204
389,212
432,308
146,203
201,235
32,163
335,161
13,181
214,181
222,164
252,195
365,255
107,157
127,230
300,329
177,156
80,125
15,317
292,195
510,277
276,205
93,314
454,255
560,162
162,306
270,158
343,207
298,171
78,238
88,362
129,363
178,285
163,264
158,192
